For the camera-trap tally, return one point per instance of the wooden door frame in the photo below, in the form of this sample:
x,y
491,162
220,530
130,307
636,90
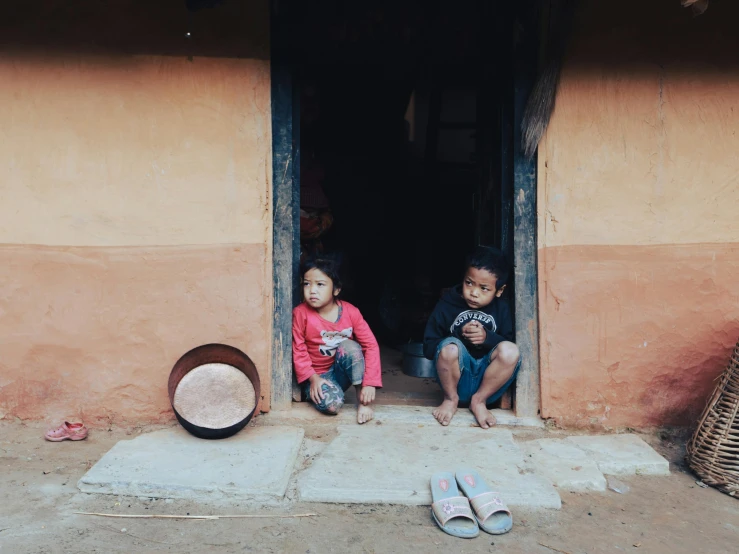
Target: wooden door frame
x,y
286,215
527,401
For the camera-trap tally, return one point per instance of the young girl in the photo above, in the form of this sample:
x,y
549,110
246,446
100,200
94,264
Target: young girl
x,y
333,347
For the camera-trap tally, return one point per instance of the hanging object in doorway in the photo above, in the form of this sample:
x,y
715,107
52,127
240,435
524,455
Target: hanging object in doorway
x,y
214,390
698,6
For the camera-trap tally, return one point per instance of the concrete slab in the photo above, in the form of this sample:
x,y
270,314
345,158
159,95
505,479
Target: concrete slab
x,y
393,465
303,414
255,464
622,455
566,465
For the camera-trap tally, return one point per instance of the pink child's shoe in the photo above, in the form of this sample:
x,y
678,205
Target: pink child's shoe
x,y
68,431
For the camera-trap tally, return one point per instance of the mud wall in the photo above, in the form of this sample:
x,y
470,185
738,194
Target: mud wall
x,y
135,210
638,228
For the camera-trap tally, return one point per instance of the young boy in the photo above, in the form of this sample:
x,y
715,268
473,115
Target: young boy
x,y
469,337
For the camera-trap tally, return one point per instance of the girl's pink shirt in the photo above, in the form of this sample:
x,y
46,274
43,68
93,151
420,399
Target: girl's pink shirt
x,y
315,341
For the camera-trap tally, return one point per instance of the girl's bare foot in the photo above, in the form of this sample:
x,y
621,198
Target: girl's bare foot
x,y
446,411
483,415
364,414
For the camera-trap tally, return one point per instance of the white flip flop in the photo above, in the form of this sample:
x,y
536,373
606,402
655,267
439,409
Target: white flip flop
x,y
450,509
491,513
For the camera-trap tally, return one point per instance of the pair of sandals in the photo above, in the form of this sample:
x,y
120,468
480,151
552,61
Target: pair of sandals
x,y
464,516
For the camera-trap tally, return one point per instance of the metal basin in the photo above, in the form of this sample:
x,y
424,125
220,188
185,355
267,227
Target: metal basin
x,y
415,364
214,391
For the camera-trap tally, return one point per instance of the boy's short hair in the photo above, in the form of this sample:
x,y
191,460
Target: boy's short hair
x,y
328,264
492,260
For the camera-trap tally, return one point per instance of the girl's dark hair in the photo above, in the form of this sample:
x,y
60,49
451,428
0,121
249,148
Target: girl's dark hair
x,y
329,265
492,260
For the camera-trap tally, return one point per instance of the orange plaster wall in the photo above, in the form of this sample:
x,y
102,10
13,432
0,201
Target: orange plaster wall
x,y
135,201
148,150
638,234
93,332
635,335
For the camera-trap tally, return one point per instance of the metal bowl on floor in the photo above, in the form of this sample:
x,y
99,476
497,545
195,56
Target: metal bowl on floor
x,y
414,362
214,390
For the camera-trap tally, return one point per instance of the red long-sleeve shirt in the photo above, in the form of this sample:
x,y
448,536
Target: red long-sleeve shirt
x,y
315,341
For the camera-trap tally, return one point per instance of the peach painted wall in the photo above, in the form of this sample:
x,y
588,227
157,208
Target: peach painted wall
x,y
135,210
638,221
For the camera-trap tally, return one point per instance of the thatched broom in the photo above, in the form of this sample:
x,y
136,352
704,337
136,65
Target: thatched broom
x,y
540,105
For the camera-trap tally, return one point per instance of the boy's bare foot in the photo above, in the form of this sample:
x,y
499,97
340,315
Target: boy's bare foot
x,y
446,411
364,414
482,415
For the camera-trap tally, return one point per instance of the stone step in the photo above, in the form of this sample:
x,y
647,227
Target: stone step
x,y
393,465
256,464
303,413
622,454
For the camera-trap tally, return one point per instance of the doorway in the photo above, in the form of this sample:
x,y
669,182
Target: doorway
x,y
394,147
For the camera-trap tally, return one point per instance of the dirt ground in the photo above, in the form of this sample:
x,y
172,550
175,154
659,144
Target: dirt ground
x,y
671,515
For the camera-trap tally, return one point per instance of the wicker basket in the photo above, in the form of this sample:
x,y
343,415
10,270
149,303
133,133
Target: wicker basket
x,y
713,452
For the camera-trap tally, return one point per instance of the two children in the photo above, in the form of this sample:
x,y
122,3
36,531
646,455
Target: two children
x,y
469,336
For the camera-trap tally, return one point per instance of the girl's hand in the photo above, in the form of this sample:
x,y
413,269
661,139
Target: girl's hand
x,y
367,395
316,392
474,332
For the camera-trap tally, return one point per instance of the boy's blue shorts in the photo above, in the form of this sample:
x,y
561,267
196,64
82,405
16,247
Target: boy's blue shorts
x,y
473,370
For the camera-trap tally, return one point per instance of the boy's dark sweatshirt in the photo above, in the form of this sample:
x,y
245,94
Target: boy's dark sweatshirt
x,y
452,313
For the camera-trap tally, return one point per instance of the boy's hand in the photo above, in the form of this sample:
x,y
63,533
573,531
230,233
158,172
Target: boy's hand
x,y
316,392
367,395
474,332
